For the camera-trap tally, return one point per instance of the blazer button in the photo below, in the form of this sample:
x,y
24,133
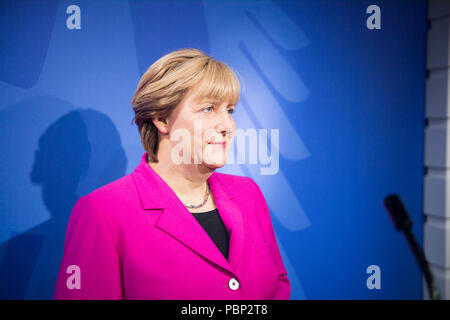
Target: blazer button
x,y
233,284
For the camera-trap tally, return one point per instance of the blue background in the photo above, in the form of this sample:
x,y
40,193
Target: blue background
x,y
348,101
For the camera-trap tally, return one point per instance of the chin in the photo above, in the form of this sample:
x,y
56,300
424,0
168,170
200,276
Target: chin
x,y
214,158
214,163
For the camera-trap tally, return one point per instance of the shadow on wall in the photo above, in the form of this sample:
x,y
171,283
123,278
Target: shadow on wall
x,y
80,150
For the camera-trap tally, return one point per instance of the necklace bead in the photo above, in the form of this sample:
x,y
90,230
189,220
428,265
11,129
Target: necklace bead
x,y
191,206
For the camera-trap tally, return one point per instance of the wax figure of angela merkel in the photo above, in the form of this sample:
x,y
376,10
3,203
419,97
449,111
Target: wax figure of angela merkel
x,y
174,228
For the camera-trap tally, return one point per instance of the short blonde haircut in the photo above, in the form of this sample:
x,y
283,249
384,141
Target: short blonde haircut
x,y
166,82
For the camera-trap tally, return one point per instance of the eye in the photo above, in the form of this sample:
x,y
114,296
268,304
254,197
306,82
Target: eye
x,y
230,111
208,109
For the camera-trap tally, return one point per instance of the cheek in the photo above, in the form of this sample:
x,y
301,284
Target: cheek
x,y
183,127
195,129
199,140
207,133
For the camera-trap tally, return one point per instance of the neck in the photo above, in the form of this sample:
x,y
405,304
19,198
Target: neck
x,y
188,181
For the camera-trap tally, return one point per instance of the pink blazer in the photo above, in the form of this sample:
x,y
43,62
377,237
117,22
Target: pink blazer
x,y
134,239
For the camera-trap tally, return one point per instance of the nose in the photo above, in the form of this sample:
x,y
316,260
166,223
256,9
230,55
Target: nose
x,y
225,125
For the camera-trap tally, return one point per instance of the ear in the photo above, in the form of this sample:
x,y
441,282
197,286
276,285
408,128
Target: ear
x,y
161,125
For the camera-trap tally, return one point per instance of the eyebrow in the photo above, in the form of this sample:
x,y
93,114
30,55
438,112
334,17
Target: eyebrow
x,y
214,101
203,100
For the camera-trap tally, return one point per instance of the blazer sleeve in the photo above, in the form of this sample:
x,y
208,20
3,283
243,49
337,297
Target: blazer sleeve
x,y
284,286
90,267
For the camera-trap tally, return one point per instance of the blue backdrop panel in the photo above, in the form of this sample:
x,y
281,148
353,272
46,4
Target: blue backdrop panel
x,y
348,103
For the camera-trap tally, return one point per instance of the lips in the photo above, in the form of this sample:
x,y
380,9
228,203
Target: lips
x,y
222,143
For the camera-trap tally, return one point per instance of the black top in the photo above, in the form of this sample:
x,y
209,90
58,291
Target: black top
x,y
214,227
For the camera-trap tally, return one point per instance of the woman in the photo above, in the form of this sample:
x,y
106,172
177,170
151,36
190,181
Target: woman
x,y
174,228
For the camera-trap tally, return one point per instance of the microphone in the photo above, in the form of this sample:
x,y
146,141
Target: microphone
x,y
402,222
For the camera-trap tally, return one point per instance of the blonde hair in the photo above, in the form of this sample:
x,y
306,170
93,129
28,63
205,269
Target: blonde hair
x,y
166,82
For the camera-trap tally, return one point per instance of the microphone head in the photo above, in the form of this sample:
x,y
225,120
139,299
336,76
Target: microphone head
x,y
397,212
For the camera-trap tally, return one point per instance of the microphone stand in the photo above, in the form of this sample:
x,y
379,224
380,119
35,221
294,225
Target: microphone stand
x,y
402,222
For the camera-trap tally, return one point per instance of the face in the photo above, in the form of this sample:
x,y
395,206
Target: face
x,y
201,131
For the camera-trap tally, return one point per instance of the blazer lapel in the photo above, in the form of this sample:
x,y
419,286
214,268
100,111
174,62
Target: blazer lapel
x,y
179,223
231,216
